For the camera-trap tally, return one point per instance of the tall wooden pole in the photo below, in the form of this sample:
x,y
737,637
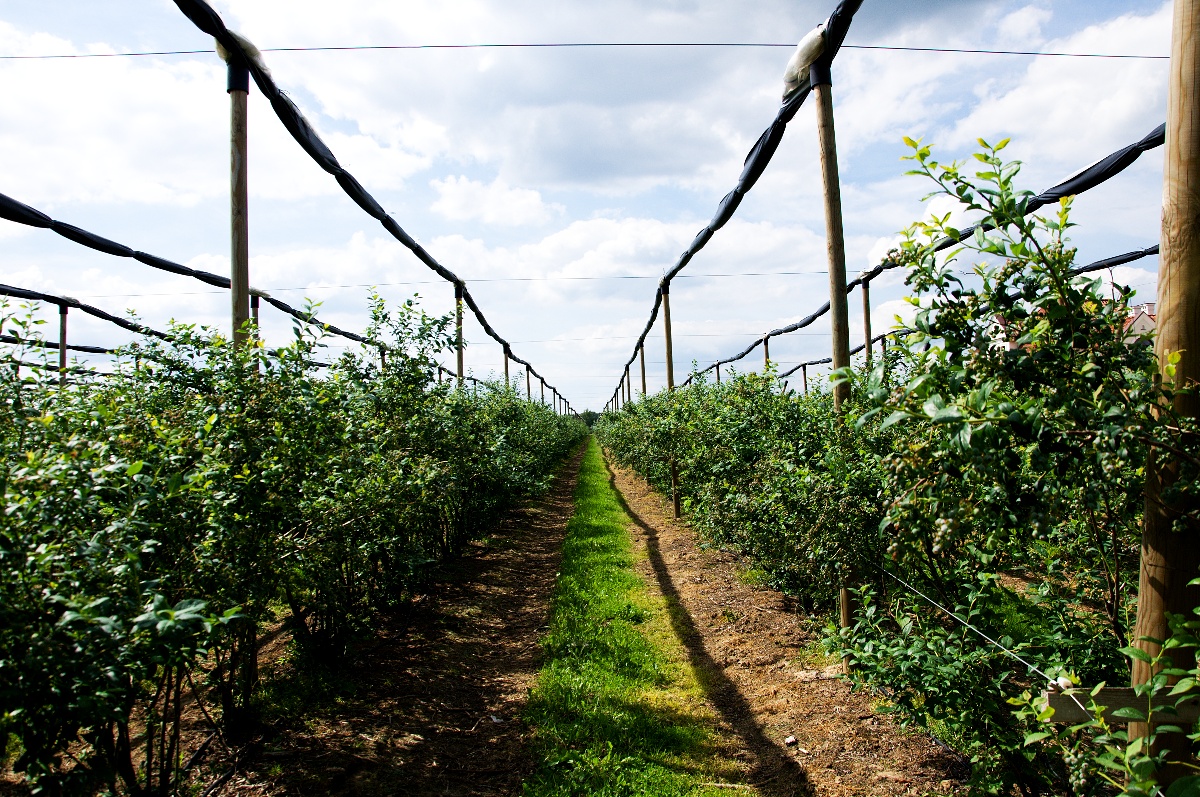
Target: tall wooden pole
x,y
642,361
804,377
766,353
528,389
666,298
628,385
458,329
835,242
543,381
62,344
836,249
239,277
1169,558
507,384
866,292
718,373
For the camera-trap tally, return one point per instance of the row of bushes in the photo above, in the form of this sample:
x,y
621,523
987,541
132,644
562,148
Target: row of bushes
x,y
156,518
993,465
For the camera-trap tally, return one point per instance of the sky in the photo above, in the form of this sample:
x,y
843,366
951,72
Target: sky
x,y
560,183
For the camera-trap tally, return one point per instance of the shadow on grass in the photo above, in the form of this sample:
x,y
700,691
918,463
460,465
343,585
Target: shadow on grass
x,y
775,772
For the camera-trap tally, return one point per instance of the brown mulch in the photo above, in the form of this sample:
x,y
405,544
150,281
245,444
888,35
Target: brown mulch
x,y
756,658
433,706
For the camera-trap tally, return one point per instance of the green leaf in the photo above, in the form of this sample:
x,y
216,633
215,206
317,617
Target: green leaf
x,y
1137,653
946,415
895,418
1185,787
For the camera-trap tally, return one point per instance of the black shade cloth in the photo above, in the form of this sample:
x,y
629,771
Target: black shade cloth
x,y
52,344
1099,172
66,301
756,162
204,17
1117,260
21,213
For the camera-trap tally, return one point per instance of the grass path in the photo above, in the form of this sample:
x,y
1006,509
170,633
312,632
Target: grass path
x,y
617,709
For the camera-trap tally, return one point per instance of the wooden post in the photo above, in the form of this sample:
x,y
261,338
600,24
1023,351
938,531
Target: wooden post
x,y
883,358
458,335
675,488
642,361
628,385
255,312
835,242
666,297
62,345
804,377
866,292
543,381
718,373
836,249
238,86
507,384
1170,558
766,354
528,389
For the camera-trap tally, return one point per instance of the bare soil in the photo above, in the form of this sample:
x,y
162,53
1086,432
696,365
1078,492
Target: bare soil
x,y
760,666
433,706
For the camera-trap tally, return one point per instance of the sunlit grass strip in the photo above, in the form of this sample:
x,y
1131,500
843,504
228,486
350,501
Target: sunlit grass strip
x,y
616,711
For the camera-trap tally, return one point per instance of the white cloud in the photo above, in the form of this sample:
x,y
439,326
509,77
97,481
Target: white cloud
x,y
152,131
461,199
1023,27
885,315
1061,109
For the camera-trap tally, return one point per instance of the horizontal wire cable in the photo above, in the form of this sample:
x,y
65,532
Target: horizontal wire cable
x,y
577,45
481,279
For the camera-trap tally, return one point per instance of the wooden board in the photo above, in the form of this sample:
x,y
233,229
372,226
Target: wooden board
x,y
1066,710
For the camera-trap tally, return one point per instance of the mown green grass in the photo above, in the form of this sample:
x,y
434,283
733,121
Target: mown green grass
x,y
616,710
